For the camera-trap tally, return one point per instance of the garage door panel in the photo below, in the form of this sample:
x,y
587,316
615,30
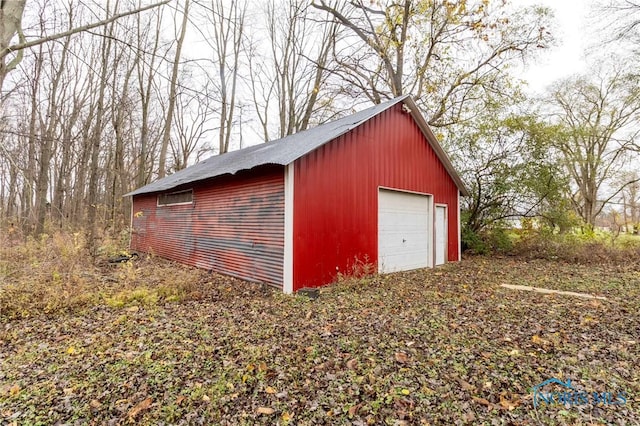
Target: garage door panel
x,y
403,230
389,261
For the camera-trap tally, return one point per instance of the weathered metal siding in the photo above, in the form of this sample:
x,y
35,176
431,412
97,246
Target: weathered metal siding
x,y
234,226
336,189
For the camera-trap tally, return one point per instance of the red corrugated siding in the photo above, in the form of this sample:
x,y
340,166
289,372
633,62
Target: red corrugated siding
x,y
336,194
235,226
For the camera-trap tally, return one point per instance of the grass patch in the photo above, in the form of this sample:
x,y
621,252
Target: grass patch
x,y
53,275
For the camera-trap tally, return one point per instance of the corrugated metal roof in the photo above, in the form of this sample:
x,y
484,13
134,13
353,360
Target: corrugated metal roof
x,y
286,150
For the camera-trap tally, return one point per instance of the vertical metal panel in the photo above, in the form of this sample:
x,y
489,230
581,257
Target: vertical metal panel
x,y
234,226
336,188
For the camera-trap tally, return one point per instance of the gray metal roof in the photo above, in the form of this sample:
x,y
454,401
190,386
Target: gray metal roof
x,y
286,150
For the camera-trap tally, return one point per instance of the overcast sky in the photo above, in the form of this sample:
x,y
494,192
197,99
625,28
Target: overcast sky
x,y
574,36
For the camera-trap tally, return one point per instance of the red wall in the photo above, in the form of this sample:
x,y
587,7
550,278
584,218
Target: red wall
x,y
336,194
234,226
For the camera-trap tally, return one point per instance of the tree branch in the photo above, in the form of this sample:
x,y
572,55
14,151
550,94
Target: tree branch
x,y
25,45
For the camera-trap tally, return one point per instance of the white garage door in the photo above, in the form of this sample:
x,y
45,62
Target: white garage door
x,y
403,231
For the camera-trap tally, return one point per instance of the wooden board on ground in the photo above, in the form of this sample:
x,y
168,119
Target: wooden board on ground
x,y
549,291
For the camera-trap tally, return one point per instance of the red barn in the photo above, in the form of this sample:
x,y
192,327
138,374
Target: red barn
x,y
371,188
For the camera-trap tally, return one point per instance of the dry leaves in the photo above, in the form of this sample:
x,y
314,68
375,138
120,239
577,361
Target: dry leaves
x,y
466,385
482,401
377,350
401,357
14,390
139,408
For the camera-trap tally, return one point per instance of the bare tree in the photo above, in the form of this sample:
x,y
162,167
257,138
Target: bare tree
x,y
599,115
294,74
79,140
630,201
30,172
11,171
11,25
619,19
121,108
192,120
226,23
147,70
445,54
49,124
166,132
98,127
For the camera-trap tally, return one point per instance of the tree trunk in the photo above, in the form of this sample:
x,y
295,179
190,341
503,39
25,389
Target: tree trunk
x,y
10,25
47,146
166,133
145,85
30,172
96,136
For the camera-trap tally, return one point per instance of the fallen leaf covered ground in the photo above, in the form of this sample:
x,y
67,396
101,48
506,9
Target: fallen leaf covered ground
x,y
443,346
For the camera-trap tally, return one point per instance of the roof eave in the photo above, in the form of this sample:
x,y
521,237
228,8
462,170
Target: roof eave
x,y
142,191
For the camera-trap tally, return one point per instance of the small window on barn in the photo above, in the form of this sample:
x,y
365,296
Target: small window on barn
x,y
176,198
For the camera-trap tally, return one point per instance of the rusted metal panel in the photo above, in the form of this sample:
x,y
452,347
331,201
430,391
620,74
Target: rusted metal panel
x,y
336,190
235,226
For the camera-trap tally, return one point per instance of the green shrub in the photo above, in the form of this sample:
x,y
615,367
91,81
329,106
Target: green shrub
x,y
473,242
500,240
496,240
581,245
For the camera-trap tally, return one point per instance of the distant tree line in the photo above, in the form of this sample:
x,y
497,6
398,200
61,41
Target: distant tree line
x,y
101,97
